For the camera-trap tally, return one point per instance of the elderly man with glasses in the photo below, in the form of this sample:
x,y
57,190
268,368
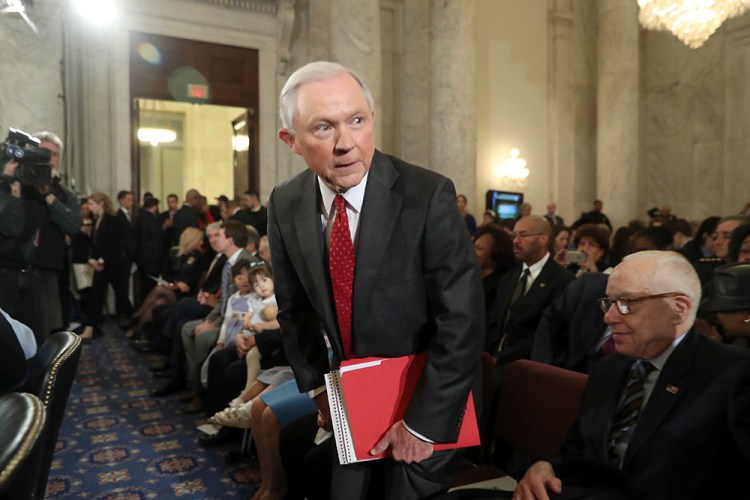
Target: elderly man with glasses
x,y
670,410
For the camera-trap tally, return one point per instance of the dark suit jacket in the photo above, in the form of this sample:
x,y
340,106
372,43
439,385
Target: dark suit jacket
x,y
128,239
572,325
526,313
107,242
149,233
693,436
416,286
184,218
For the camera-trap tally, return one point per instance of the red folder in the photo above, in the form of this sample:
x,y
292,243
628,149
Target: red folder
x,y
368,395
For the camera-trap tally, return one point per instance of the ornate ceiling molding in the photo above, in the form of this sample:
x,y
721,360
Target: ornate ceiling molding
x,y
262,6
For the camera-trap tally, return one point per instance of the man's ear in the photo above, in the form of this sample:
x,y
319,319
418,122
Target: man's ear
x,y
287,136
682,306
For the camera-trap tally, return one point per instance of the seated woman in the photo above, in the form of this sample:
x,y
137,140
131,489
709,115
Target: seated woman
x,y
592,241
180,279
271,412
560,239
494,251
729,301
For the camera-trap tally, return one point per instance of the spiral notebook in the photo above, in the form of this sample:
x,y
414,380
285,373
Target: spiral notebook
x,y
368,395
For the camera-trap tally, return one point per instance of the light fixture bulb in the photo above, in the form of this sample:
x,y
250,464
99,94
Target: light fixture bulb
x,y
97,12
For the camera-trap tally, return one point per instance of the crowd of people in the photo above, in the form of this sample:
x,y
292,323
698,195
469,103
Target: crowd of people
x,y
362,255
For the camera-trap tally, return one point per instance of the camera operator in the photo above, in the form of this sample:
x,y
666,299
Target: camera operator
x,y
31,258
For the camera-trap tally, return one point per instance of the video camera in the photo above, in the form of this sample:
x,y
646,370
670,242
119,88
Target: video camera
x,y
34,168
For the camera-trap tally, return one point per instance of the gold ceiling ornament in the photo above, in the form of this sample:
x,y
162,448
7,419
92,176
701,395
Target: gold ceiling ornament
x,y
692,21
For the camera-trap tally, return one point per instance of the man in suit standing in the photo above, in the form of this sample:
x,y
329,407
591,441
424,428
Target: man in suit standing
x,y
671,409
552,217
187,215
125,270
149,234
396,231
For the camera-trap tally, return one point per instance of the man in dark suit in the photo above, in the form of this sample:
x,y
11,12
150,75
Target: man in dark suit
x,y
682,427
129,242
551,215
596,216
187,215
572,333
524,292
149,234
416,285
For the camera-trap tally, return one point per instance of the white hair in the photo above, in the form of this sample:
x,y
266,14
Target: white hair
x,y
319,71
52,137
671,272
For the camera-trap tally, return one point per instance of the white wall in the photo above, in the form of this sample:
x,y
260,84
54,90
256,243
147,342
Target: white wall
x,y
512,95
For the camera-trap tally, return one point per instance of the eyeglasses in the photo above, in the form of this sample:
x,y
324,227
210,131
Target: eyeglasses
x,y
623,303
523,234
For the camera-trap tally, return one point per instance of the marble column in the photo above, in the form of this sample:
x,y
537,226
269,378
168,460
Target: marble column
x,y
453,147
563,171
618,110
414,84
355,42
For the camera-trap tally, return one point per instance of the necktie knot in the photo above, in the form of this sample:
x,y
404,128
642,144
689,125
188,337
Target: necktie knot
x,y
340,203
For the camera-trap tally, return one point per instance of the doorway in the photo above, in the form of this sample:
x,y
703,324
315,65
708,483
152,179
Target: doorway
x,y
191,146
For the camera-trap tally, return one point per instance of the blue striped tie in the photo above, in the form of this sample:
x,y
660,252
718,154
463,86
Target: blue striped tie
x,y
226,276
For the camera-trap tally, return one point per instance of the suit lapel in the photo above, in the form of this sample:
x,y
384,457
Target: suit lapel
x,y
380,210
668,390
538,287
307,227
601,420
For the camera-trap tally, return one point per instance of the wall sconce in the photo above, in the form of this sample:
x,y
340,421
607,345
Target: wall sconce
x,y
514,173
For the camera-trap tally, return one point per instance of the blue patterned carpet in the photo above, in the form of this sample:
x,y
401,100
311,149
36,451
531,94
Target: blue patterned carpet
x,y
117,442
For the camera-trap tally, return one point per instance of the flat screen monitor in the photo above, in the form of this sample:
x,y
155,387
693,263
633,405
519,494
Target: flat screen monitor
x,y
504,204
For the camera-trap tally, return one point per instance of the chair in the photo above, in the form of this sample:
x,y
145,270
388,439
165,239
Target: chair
x,y
537,406
51,379
21,438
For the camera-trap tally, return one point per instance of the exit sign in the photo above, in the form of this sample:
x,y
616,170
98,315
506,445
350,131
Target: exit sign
x,y
197,91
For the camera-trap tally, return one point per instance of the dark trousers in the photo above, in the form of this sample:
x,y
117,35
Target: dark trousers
x,y
119,278
227,376
307,467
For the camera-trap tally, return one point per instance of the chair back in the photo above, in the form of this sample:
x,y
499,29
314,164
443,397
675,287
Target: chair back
x,y
51,379
21,442
538,405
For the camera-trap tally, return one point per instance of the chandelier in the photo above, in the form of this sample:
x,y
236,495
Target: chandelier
x,y
692,21
156,136
514,172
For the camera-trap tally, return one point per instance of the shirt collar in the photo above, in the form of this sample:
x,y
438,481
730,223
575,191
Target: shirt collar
x,y
660,360
234,257
354,196
536,267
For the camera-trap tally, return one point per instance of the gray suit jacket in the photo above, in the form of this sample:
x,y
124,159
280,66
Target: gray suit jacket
x,y
416,287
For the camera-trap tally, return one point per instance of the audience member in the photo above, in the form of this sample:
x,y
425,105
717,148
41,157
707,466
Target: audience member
x,y
560,238
494,250
651,238
552,217
739,244
199,336
256,214
186,216
17,348
592,240
149,238
180,279
594,217
108,258
682,233
123,268
471,223
524,292
524,210
729,302
488,217
679,389
264,250
620,245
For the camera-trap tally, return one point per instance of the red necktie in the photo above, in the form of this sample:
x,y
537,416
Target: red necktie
x,y
341,266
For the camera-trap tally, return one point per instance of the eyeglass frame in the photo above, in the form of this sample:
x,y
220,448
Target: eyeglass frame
x,y
624,308
523,234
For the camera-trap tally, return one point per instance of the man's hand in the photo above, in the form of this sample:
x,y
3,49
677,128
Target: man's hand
x,y
324,411
405,446
183,287
536,481
203,327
